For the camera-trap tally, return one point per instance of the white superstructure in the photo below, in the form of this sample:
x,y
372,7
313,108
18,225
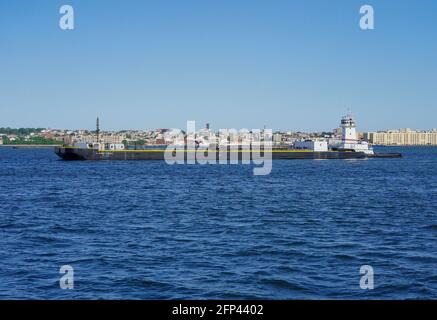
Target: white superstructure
x,y
314,145
99,146
349,139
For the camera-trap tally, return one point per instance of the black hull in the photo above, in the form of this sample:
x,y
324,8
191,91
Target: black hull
x,y
385,155
69,153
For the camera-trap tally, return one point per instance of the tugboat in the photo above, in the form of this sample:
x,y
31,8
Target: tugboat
x,y
349,141
349,148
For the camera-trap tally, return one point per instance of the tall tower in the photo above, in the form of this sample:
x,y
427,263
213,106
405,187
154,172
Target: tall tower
x,y
98,130
349,134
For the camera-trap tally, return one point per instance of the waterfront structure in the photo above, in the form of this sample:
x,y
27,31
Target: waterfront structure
x,y
405,137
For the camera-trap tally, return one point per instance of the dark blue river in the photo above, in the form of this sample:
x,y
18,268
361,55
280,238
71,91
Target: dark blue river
x,y
147,230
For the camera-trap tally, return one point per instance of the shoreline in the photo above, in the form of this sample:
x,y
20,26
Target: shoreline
x,y
29,145
406,145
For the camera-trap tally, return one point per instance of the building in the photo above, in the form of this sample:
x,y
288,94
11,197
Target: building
x,y
337,132
277,139
404,137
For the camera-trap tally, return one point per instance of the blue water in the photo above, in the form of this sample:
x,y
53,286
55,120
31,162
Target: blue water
x,y
146,230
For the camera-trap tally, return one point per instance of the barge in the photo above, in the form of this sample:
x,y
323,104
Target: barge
x,y
349,147
74,153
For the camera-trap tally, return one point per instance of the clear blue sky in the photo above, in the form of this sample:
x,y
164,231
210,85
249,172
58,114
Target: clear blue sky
x,y
288,64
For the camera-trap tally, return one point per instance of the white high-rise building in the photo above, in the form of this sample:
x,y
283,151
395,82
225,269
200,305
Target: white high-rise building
x,y
402,137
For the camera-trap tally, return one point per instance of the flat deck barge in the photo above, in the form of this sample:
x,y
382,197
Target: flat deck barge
x,y
74,153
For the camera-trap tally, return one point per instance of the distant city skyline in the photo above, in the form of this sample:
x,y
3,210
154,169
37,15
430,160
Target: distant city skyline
x,y
286,65
203,126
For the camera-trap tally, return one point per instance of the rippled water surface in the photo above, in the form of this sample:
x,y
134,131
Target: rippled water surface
x,y
146,230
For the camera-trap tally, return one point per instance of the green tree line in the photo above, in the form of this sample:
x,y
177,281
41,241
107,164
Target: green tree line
x,y
20,131
32,140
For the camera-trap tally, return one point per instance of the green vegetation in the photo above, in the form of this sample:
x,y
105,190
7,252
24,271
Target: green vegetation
x,y
26,136
139,142
32,140
20,131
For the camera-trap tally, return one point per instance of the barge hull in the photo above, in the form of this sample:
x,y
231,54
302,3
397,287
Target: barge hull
x,y
69,153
